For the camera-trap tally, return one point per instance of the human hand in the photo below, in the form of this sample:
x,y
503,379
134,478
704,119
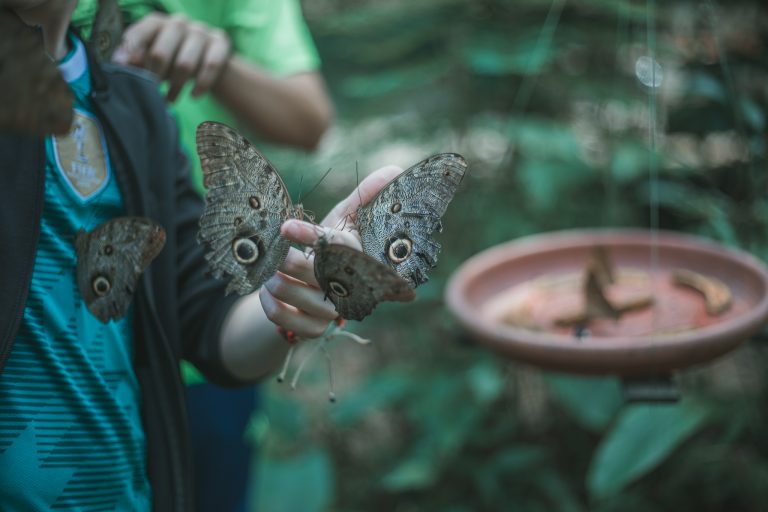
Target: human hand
x,y
177,49
292,298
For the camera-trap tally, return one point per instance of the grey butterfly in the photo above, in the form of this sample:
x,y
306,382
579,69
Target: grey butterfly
x,y
354,281
396,227
36,99
107,30
245,205
110,260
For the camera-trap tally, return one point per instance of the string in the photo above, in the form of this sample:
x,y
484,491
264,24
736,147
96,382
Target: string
x,y
653,170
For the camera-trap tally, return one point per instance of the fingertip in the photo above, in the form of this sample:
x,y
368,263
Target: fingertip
x,y
299,231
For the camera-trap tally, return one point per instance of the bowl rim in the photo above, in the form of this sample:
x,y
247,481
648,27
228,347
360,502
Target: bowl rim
x,y
606,353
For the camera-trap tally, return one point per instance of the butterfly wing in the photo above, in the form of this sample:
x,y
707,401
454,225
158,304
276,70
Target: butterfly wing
x,y
245,205
355,282
396,226
36,99
107,29
110,260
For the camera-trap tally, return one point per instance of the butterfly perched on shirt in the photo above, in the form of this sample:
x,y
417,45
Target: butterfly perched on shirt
x,y
110,260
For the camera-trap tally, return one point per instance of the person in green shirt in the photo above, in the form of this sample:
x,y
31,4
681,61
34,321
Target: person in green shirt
x,y
246,63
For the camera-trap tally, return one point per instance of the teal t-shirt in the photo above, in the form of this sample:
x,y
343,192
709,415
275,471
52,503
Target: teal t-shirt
x,y
71,436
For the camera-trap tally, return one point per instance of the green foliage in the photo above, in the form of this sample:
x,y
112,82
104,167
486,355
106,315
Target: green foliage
x,y
642,438
541,98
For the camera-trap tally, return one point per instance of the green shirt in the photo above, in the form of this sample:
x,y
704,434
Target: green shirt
x,y
269,33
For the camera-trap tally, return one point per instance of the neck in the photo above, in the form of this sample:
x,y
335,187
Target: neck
x,y
53,18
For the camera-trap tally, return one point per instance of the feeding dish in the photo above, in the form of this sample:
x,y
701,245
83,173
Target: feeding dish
x,y
513,298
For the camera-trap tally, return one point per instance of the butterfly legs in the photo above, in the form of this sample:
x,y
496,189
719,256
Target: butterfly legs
x,y
335,330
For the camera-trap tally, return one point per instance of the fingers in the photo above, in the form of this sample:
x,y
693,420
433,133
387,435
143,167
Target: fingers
x,y
362,195
177,49
296,306
214,60
300,266
185,63
306,233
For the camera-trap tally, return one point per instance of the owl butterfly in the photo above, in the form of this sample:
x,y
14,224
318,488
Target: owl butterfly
x,y
245,205
107,30
110,260
396,226
36,99
354,281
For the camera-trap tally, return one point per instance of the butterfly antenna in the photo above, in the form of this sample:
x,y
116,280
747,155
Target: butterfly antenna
x,y
319,181
331,391
303,363
357,180
281,377
301,180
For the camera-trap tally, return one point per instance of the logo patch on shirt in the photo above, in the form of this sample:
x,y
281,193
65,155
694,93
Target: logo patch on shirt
x,y
81,156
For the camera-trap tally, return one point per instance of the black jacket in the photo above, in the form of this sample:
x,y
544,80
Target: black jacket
x,y
178,310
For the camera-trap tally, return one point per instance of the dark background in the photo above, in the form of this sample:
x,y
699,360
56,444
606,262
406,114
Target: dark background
x,y
542,99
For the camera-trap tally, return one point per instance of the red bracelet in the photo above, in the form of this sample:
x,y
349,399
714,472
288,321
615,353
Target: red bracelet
x,y
289,336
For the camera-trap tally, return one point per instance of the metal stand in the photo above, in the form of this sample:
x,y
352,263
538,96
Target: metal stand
x,y
659,388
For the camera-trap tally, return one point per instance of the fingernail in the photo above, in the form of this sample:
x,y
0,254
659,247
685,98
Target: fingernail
x,y
120,56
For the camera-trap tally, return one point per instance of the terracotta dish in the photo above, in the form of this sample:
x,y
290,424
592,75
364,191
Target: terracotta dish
x,y
509,298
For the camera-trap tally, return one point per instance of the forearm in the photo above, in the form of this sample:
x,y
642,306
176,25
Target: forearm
x,y
251,348
292,110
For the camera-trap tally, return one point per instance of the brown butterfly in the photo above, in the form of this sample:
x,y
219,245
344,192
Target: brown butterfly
x,y
245,205
36,99
107,30
396,227
110,260
355,282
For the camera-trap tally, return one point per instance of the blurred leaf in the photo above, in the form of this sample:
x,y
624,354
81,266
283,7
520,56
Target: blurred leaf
x,y
642,438
379,391
370,85
499,54
548,183
706,86
592,401
303,482
543,138
485,381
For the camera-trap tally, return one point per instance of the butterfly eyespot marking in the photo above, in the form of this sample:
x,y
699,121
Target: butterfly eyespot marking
x,y
245,250
337,288
254,202
396,207
108,250
101,285
399,249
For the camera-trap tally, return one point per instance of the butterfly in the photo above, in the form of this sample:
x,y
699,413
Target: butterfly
x,y
396,227
36,99
107,30
110,260
354,281
245,205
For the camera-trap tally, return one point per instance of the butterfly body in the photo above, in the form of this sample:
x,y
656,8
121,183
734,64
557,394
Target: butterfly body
x,y
246,204
396,227
356,282
110,260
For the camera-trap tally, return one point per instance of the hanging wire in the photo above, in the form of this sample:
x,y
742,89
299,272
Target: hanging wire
x,y
653,170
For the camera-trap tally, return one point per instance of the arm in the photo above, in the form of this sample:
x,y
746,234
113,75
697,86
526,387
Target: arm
x,y
292,110
250,347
